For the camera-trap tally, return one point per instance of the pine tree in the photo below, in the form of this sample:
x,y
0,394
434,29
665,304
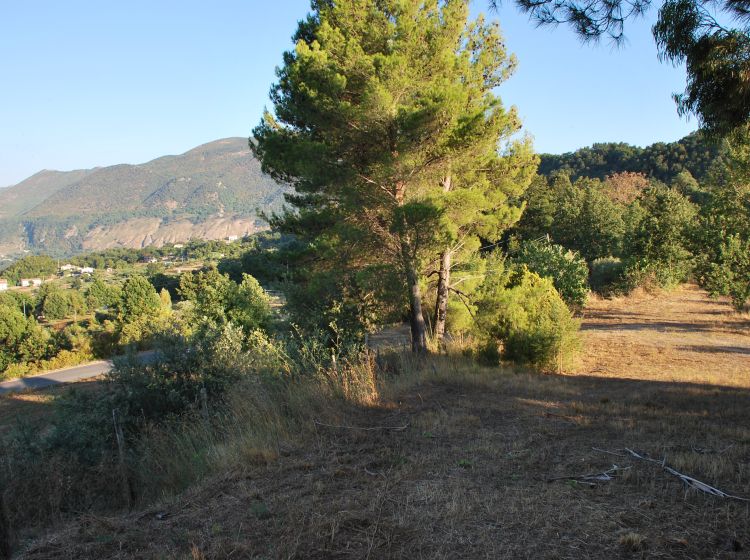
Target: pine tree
x,y
386,124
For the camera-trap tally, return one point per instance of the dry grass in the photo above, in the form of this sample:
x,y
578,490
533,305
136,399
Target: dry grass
x,y
33,407
453,462
681,336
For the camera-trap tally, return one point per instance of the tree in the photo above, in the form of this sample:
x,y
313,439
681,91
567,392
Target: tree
x,y
250,307
53,302
658,246
100,294
717,57
581,216
218,300
210,292
522,314
386,126
138,299
12,329
626,186
723,238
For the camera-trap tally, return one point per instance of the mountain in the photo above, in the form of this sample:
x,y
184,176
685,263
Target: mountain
x,y
212,191
662,161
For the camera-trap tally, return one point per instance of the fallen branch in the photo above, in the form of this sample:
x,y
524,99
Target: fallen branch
x,y
364,428
609,452
592,479
688,481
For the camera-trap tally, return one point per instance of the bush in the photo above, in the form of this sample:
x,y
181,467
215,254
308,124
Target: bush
x,y
606,275
730,275
566,269
521,315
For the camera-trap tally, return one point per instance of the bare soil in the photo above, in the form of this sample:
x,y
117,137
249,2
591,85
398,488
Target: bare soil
x,y
457,464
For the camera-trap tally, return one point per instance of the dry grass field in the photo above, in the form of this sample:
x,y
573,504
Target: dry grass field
x,y
682,336
456,462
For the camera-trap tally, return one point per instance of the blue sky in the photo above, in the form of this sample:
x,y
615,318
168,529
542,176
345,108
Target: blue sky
x,y
87,83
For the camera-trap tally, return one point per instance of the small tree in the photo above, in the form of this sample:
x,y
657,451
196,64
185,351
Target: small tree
x,y
567,270
523,316
658,246
138,299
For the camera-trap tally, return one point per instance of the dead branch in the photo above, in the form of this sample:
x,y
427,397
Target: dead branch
x,y
689,481
609,452
592,479
364,428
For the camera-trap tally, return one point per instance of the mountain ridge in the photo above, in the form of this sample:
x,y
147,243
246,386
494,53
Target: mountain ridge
x,y
219,183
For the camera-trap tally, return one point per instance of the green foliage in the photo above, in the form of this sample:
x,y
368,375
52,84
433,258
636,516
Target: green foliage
x,y
567,270
607,274
664,162
100,294
249,307
580,216
137,300
715,56
23,301
522,314
218,300
33,266
166,299
731,274
12,330
723,237
658,246
55,303
21,339
386,124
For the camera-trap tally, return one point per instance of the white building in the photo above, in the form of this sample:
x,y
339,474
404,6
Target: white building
x,y
68,267
87,270
26,282
3,285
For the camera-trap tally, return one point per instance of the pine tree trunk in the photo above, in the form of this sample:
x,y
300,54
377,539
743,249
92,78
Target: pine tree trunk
x,y
416,319
444,279
441,303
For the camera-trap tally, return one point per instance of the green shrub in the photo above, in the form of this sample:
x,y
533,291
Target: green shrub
x,y
566,269
606,275
730,276
522,316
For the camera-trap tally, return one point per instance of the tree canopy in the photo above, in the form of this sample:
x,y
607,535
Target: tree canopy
x,y
386,124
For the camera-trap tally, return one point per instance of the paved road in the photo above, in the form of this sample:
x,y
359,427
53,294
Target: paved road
x,y
60,376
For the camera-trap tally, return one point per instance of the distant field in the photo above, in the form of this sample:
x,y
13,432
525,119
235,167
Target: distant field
x,y
456,464
681,336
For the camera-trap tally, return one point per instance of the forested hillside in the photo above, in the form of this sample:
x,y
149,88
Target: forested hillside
x,y
662,161
211,191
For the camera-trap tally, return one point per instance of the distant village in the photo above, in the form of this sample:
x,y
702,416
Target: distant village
x,y
73,270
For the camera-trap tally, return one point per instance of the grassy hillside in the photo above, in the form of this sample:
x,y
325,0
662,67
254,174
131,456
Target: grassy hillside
x,y
65,212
